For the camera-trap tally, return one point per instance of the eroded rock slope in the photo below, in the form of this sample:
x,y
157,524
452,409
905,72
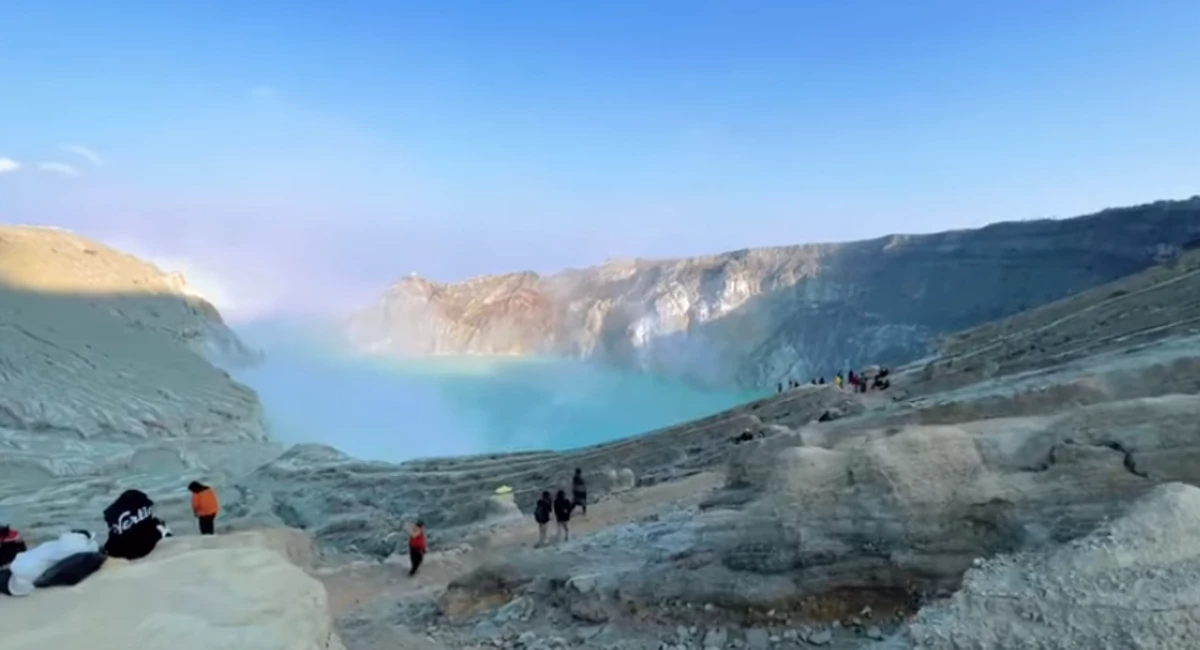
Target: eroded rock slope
x,y
1061,419
753,317
106,383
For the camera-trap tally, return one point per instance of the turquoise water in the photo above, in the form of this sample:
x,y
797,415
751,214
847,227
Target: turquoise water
x,y
397,410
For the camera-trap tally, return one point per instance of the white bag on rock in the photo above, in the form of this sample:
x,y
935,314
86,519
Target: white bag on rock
x,y
27,567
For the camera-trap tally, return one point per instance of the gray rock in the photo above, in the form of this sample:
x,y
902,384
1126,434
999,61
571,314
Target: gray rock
x,y
519,608
820,637
588,632
1089,593
715,638
875,633
758,639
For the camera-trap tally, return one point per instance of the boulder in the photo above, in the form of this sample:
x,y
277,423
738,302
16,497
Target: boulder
x,y
233,591
1130,584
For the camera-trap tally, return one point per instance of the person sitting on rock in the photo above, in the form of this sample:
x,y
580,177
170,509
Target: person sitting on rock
x,y
204,506
562,515
416,546
133,529
541,514
11,544
821,381
579,492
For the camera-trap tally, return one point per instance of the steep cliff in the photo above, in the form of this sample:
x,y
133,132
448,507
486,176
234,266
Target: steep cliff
x,y
753,317
105,384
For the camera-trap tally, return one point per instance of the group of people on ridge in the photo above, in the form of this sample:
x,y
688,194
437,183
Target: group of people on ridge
x,y
134,530
561,507
876,379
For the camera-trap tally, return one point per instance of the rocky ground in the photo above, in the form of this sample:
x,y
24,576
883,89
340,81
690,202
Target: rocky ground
x,y
1030,485
1032,489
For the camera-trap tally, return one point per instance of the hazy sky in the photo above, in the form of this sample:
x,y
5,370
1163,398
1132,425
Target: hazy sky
x,y
299,154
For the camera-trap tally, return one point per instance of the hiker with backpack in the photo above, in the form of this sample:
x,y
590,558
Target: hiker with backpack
x,y
541,514
579,491
562,515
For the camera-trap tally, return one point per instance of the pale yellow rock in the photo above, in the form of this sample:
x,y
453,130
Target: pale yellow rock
x,y
213,593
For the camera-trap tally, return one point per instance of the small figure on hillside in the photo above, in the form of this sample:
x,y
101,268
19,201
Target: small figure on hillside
x,y
837,380
416,546
579,491
204,506
541,514
822,381
562,515
853,379
780,389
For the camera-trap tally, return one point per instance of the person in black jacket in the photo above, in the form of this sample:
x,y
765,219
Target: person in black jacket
x,y
562,514
579,490
133,529
541,514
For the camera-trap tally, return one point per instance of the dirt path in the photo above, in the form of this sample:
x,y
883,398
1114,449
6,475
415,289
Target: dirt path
x,y
359,583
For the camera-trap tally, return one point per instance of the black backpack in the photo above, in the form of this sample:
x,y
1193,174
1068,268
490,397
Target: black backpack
x,y
133,529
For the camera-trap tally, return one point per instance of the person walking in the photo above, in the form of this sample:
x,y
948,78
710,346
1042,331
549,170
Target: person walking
x,y
579,491
416,546
541,514
204,506
562,515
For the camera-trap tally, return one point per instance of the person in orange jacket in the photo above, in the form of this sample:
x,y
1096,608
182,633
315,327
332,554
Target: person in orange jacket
x,y
204,505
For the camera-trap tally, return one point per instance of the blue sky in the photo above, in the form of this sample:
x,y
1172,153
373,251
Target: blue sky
x,y
301,154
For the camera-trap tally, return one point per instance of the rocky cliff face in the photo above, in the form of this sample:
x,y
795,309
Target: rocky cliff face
x,y
753,317
105,384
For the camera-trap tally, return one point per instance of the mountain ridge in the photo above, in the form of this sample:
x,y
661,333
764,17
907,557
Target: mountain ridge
x,y
752,317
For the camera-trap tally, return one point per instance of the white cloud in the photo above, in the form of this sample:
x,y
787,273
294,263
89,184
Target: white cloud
x,y
83,152
263,92
8,165
58,168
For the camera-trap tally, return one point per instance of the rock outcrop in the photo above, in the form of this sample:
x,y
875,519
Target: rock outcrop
x,y
1129,584
355,505
1086,413
106,383
235,591
752,317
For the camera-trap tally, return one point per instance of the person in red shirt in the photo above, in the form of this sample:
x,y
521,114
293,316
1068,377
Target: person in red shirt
x,y
416,545
204,506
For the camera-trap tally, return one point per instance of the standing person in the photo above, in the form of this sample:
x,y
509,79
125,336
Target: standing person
x,y
562,515
416,546
204,506
579,491
541,514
